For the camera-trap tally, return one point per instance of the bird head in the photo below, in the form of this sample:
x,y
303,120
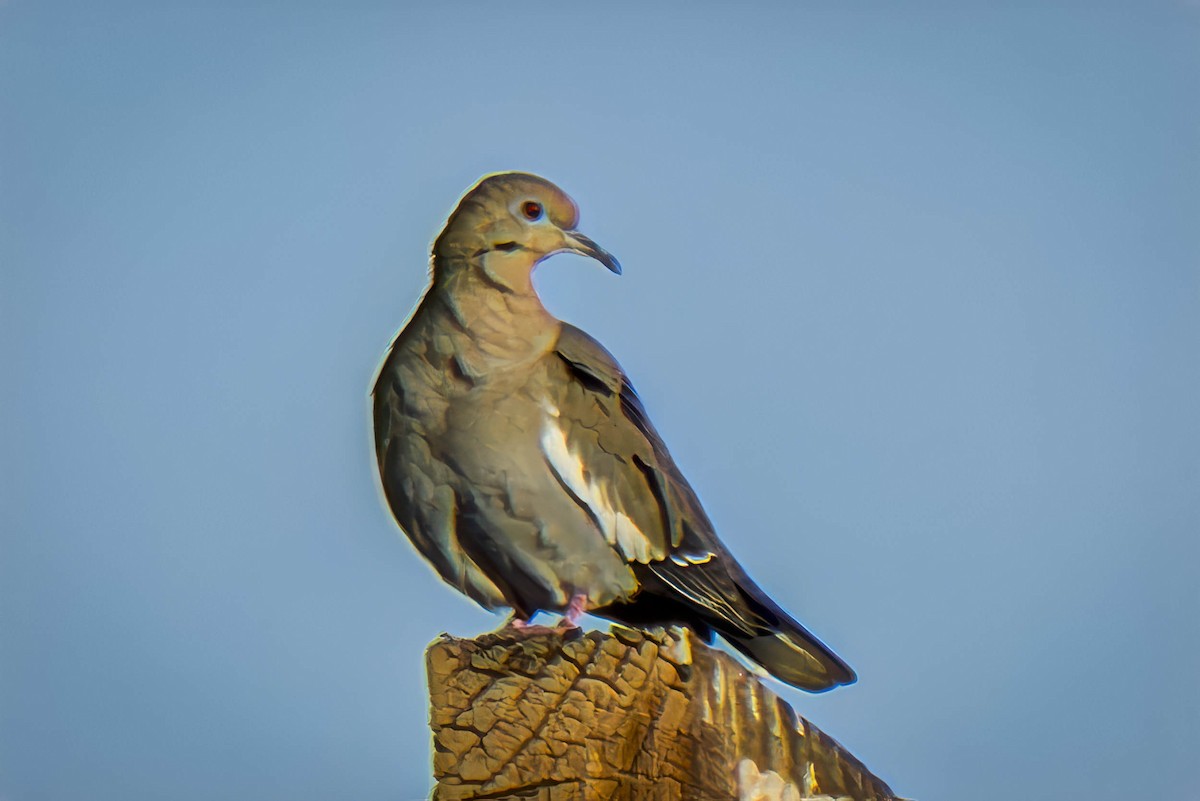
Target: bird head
x,y
507,223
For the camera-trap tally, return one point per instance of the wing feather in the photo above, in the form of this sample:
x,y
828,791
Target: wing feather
x,y
606,428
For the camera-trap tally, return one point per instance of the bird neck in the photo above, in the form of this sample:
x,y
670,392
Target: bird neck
x,y
494,324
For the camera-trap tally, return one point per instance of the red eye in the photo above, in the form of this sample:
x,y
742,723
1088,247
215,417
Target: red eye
x,y
532,210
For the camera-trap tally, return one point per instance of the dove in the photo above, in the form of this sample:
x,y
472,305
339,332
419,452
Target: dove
x,y
515,454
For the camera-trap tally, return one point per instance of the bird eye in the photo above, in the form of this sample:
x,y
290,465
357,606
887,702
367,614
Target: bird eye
x,y
532,210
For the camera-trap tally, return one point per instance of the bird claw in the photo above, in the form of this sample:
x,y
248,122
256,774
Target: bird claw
x,y
569,621
526,628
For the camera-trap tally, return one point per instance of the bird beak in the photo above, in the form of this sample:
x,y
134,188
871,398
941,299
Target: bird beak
x,y
578,243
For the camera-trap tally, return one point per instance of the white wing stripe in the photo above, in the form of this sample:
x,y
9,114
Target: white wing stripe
x,y
618,529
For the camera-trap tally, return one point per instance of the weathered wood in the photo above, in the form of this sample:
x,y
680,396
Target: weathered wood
x,y
627,715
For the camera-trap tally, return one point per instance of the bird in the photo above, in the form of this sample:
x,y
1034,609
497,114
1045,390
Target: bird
x,y
515,454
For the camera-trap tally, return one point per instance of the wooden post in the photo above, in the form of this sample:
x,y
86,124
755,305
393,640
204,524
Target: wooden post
x,y
622,715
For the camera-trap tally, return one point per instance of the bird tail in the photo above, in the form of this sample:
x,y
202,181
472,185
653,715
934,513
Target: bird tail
x,y
786,649
729,603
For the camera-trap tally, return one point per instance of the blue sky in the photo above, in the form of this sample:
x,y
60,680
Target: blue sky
x,y
913,295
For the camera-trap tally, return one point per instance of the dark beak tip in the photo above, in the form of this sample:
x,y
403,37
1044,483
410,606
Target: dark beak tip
x,y
584,246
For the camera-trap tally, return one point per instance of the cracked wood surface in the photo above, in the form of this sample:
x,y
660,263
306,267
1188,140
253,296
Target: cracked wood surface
x,y
623,715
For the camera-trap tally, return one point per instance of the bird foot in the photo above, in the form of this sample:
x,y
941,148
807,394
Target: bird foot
x,y
569,621
528,628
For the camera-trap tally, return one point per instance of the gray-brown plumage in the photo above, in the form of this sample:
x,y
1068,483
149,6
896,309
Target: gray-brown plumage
x,y
515,454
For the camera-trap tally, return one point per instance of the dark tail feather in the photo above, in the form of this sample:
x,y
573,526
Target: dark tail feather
x,y
787,650
749,620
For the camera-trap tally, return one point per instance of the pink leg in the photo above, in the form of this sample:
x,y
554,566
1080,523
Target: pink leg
x,y
575,610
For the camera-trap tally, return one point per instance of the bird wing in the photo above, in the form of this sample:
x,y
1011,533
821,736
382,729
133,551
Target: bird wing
x,y
604,450
612,460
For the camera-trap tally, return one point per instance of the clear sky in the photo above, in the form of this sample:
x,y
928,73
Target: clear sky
x,y
913,295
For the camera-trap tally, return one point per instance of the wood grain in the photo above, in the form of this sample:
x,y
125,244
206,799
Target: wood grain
x,y
569,716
